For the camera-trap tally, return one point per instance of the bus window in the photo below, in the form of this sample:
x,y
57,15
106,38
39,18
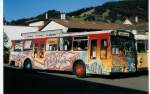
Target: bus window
x,y
65,44
52,47
142,46
120,45
103,49
18,45
42,46
28,44
36,50
52,44
80,43
93,49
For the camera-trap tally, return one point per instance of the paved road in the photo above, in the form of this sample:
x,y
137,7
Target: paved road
x,y
40,82
138,82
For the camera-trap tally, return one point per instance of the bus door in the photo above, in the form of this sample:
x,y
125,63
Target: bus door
x,y
93,63
100,51
39,48
105,52
105,48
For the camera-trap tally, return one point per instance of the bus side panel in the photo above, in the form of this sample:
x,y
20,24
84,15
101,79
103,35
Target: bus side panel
x,y
19,58
16,58
142,61
119,63
63,60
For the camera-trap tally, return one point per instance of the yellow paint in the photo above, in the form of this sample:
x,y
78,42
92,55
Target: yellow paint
x,y
52,41
142,60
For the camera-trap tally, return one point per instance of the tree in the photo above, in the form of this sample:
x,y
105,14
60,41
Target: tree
x,y
5,48
5,39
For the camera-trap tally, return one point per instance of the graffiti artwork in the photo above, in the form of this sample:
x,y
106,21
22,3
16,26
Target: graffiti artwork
x,y
95,67
61,60
18,57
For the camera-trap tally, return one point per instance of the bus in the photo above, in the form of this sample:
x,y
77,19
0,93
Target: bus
x,y
142,52
94,52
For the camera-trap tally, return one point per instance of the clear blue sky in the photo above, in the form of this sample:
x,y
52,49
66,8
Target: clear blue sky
x,y
16,9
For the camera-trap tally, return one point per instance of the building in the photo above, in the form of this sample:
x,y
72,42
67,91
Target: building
x,y
132,21
14,32
80,26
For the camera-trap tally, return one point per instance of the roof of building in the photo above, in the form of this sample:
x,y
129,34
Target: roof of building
x,y
87,25
35,20
139,27
132,20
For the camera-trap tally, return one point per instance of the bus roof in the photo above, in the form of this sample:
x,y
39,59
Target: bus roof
x,y
58,33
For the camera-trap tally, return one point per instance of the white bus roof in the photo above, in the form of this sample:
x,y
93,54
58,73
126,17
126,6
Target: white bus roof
x,y
58,33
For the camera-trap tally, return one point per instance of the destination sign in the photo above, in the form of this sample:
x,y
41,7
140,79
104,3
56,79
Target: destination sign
x,y
123,34
52,41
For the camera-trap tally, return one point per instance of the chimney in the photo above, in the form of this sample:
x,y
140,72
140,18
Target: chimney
x,y
63,16
46,16
136,19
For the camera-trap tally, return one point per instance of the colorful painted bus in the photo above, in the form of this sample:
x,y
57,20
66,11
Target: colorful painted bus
x,y
95,52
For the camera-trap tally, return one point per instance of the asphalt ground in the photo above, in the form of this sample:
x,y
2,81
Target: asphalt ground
x,y
18,81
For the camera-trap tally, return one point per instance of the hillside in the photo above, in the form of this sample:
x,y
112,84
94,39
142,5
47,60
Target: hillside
x,y
115,11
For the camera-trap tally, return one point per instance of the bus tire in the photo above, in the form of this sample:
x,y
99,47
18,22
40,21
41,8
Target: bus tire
x,y
27,64
79,69
12,63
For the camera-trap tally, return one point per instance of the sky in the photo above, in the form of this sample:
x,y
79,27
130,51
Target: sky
x,y
17,9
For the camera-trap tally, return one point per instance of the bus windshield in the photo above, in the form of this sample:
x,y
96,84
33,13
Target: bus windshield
x,y
120,45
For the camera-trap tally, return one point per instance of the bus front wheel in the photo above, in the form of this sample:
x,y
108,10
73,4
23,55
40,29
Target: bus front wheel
x,y
79,69
27,64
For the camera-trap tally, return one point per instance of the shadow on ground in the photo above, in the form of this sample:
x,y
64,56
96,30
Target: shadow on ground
x,y
31,82
112,76
121,75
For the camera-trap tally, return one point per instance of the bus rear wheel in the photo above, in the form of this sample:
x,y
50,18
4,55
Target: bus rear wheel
x,y
79,70
27,64
12,63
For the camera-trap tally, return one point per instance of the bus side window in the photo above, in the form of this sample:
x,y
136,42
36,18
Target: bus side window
x,y
65,44
80,43
52,47
93,49
52,44
28,45
103,48
18,46
142,46
36,50
42,50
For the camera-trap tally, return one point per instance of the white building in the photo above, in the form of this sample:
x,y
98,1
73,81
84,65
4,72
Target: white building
x,y
127,21
14,32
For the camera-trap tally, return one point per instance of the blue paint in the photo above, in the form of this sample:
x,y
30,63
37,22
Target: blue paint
x,y
130,61
83,54
95,67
